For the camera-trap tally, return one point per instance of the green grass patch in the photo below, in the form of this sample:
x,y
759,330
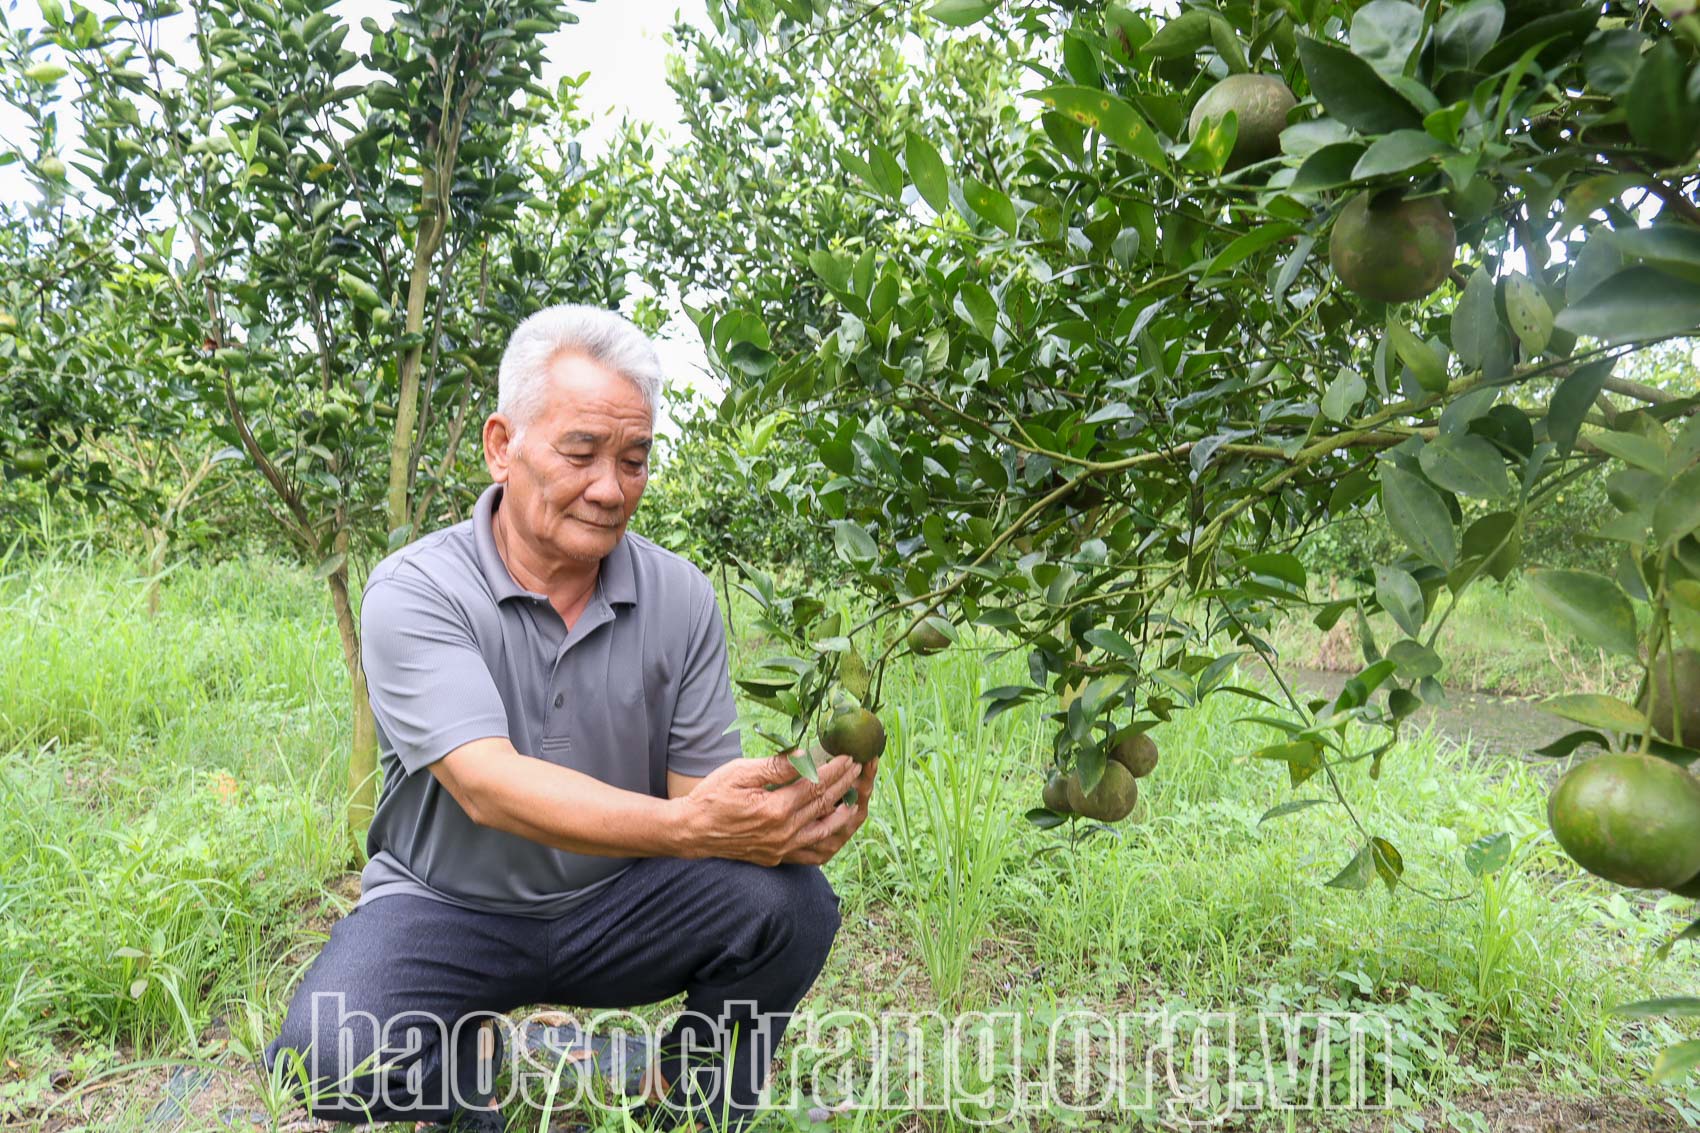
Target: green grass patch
x,y
171,793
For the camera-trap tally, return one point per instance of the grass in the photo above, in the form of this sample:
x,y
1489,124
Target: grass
x,y
170,861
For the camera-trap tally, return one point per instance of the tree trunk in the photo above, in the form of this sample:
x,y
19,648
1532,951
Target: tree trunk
x,y
363,752
429,239
159,541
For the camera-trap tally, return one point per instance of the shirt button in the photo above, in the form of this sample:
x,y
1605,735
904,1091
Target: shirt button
x,y
559,699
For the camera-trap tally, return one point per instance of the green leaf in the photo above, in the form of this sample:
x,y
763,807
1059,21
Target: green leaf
x,y
989,204
1271,564
1672,248
1180,36
1418,515
1676,1006
1611,59
1414,659
1351,91
1529,313
1475,320
1328,167
1664,114
1343,394
1045,819
1632,448
1488,854
981,309
1300,756
1465,33
1575,395
1677,511
1388,862
1429,370
1111,642
928,172
1467,464
1401,597
1292,807
1638,302
1593,606
1597,262
1249,244
1397,152
1385,32
961,13
1562,747
1596,710
833,269
1110,116
1677,1060
1358,872
329,567
853,542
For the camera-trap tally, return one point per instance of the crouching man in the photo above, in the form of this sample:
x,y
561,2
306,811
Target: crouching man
x,y
565,818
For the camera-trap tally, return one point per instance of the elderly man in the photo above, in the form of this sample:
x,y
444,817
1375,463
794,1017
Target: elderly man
x,y
564,818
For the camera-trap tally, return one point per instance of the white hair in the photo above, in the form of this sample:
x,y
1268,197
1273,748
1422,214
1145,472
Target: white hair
x,y
602,336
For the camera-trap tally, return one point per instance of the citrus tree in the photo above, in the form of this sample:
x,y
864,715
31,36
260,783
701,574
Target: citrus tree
x,y
335,242
1210,282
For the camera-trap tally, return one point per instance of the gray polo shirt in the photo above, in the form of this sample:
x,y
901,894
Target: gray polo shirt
x,y
455,650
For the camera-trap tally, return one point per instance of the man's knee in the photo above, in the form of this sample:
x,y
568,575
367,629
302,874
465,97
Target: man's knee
x,y
795,901
343,1062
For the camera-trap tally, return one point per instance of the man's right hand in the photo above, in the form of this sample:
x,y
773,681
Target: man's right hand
x,y
762,811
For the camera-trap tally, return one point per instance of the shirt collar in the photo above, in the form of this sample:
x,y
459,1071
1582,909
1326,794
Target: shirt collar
x,y
617,578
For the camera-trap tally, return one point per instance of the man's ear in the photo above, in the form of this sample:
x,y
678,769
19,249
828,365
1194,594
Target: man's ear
x,y
498,446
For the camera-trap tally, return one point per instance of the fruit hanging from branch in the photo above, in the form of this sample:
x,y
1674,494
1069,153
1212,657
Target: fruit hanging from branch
x,y
1112,800
854,731
1259,103
1392,248
1629,818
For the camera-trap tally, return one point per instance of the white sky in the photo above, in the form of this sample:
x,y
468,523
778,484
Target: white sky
x,y
619,42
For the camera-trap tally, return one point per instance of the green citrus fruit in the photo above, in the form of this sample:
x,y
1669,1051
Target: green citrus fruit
x,y
855,732
51,168
1110,801
1137,753
1669,703
31,461
926,639
1260,104
1055,796
1394,250
1631,819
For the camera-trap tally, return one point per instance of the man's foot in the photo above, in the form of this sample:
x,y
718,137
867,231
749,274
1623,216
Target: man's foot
x,y
621,1060
467,1121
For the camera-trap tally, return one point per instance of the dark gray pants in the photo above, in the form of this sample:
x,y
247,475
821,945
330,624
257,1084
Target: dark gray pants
x,y
371,1032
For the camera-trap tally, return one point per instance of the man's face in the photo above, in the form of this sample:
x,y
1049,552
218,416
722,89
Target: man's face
x,y
575,473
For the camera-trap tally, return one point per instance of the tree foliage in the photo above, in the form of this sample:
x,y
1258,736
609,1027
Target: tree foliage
x,y
1074,385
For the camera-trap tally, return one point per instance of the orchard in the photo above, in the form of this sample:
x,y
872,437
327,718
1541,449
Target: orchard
x,y
1044,339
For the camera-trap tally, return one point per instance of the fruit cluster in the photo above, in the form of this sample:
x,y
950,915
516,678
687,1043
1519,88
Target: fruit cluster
x,y
1128,760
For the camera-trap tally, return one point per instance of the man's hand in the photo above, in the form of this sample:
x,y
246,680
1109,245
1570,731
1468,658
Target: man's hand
x,y
762,811
822,852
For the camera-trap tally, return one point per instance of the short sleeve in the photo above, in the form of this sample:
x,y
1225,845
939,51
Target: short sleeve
x,y
698,740
430,689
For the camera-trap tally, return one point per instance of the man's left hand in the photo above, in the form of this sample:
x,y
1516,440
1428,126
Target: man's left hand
x,y
846,820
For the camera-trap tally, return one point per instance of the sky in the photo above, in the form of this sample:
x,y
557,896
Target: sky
x,y
619,42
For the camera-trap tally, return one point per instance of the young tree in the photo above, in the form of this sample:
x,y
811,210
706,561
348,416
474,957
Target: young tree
x,y
345,238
